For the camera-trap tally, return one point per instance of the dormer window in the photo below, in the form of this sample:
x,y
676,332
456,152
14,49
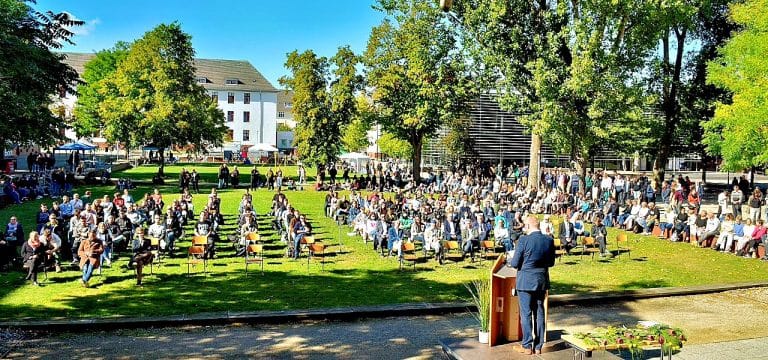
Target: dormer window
x,y
232,81
202,80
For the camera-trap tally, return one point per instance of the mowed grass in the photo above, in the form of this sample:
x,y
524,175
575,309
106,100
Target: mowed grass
x,y
353,275
209,172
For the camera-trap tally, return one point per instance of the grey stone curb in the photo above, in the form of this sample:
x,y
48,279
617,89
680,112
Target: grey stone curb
x,y
346,313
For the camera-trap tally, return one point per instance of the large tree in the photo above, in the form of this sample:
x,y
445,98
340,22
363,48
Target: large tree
x,y
569,66
155,94
91,92
739,130
418,74
323,101
31,75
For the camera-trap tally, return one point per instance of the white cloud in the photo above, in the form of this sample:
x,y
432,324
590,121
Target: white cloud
x,y
86,29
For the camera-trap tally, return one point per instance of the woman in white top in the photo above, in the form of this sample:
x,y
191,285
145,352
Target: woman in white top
x,y
726,234
741,241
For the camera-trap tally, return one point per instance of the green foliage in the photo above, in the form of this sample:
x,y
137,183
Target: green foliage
x,y
420,78
356,136
323,101
635,338
394,147
570,66
738,130
90,94
153,96
480,292
31,74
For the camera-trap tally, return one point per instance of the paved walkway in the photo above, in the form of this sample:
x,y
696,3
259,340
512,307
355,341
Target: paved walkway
x,y
707,319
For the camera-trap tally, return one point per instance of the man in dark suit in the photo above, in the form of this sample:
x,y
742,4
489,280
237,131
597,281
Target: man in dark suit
x,y
534,255
567,235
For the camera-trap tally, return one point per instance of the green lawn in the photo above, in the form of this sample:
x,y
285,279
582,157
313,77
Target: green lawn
x,y
356,276
209,172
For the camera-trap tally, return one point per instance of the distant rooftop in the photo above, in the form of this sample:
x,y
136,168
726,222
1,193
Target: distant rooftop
x,y
215,71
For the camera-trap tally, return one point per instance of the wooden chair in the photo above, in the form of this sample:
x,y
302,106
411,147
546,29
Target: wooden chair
x,y
452,251
316,250
656,230
559,249
589,246
305,242
154,248
253,237
409,254
622,243
485,247
254,254
197,253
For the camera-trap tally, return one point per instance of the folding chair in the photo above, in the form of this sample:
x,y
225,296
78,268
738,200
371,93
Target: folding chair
x,y
306,241
622,243
559,250
409,254
254,254
197,253
485,246
313,250
452,245
154,248
589,246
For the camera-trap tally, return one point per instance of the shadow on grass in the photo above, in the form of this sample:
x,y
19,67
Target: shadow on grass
x,y
178,294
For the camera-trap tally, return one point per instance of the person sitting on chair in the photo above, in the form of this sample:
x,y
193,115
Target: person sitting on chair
x,y
90,251
205,228
33,254
248,228
300,229
13,236
142,254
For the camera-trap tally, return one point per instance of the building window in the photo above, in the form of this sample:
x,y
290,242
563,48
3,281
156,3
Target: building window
x,y
230,98
246,135
215,96
232,81
246,116
230,116
280,114
247,98
287,105
202,80
230,135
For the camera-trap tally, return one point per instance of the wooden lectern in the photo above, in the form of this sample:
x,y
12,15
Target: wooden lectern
x,y
505,314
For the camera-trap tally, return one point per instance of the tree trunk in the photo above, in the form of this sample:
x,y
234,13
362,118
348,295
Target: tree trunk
x,y
534,164
416,164
752,177
161,153
581,169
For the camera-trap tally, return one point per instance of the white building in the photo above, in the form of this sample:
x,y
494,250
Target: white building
x,y
247,98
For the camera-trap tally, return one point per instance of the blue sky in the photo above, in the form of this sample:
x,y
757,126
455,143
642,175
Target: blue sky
x,y
259,31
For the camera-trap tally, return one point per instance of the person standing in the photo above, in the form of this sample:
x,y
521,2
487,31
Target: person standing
x,y
534,255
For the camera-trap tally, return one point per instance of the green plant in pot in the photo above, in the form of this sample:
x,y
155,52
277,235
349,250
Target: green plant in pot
x,y
480,290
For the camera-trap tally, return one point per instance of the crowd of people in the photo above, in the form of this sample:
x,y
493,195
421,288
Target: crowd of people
x,y
472,204
477,202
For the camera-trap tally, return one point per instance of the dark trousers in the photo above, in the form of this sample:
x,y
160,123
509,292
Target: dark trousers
x,y
532,318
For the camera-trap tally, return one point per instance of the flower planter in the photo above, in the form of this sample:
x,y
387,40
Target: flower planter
x,y
483,337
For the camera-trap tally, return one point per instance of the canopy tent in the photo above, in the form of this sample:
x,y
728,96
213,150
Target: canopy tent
x,y
262,147
359,160
75,146
255,151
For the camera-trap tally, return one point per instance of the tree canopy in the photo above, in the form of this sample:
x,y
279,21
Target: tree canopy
x,y
31,75
323,101
570,66
739,130
92,92
418,73
153,97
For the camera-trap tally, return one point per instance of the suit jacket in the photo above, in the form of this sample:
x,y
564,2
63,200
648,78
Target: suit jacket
x,y
561,232
534,255
447,230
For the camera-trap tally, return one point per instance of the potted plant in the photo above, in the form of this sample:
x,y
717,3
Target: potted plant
x,y
480,290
